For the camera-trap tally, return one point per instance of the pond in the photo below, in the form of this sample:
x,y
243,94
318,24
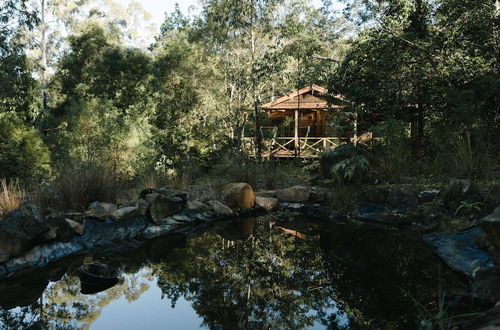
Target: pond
x,y
251,273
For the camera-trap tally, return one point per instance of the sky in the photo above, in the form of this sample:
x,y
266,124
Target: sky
x,y
158,8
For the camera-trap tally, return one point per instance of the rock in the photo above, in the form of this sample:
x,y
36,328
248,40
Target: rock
x,y
162,207
78,228
59,229
318,195
491,225
427,196
157,204
4,256
267,203
238,196
266,193
458,191
293,206
142,207
486,284
378,195
174,222
489,320
295,194
21,230
100,210
219,208
197,205
125,213
75,216
182,218
493,195
402,199
174,195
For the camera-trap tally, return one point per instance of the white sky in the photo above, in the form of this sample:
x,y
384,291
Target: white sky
x,y
158,8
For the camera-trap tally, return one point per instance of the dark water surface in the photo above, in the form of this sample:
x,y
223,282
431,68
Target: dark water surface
x,y
243,274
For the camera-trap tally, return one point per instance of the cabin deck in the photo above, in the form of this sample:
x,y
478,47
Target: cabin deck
x,y
286,147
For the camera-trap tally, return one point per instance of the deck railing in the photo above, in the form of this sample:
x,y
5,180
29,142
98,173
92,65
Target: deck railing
x,y
306,147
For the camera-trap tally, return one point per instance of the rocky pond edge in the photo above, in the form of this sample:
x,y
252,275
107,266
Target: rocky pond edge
x,y
29,240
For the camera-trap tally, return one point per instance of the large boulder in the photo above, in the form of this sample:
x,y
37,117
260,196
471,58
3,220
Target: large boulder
x,y
100,210
21,230
158,204
295,194
491,226
267,203
238,196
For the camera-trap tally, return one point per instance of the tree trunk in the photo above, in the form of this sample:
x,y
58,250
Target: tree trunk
x,y
43,46
258,136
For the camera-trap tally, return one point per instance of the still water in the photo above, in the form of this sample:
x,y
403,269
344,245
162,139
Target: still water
x,y
243,274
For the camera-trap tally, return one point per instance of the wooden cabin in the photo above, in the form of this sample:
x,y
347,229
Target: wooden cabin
x,y
300,124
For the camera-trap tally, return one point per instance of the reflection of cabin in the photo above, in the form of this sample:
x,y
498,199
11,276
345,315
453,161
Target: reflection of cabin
x,y
300,124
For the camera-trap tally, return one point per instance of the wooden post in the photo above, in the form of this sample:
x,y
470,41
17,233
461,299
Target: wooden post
x,y
296,132
355,137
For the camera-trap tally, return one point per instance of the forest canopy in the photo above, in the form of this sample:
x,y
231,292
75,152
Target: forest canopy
x,y
80,85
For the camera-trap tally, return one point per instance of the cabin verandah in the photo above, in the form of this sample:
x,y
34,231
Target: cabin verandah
x,y
300,125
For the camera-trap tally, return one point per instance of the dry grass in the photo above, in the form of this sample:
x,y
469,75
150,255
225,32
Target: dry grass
x,y
80,184
11,195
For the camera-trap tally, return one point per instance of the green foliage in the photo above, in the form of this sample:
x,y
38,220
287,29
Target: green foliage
x,y
392,154
17,87
429,64
349,168
466,207
22,152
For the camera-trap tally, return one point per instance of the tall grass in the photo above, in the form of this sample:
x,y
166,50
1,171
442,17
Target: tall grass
x,y
11,195
80,184
472,158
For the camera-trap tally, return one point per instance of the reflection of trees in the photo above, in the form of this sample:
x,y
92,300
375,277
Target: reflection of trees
x,y
65,306
378,272
272,280
278,279
252,274
62,306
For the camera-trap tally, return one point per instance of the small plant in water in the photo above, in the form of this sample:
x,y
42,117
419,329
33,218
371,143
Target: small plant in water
x,y
441,318
11,195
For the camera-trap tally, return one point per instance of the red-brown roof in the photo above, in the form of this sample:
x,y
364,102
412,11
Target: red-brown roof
x,y
308,101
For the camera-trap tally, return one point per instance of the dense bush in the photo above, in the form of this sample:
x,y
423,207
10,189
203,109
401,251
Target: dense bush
x,y
22,152
82,183
346,163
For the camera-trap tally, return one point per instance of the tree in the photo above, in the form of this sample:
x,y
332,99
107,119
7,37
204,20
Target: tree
x,y
17,88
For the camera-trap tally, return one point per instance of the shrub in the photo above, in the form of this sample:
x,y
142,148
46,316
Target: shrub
x,y
345,164
11,195
22,152
80,184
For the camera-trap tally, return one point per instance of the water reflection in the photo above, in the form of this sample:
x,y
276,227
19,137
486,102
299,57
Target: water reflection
x,y
245,274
